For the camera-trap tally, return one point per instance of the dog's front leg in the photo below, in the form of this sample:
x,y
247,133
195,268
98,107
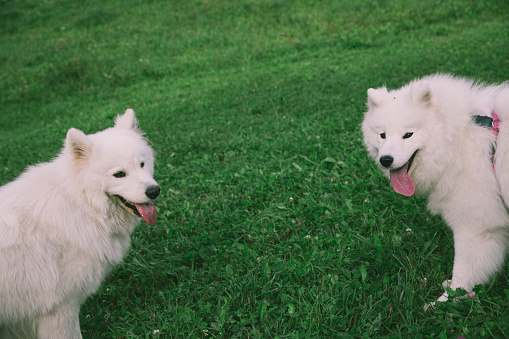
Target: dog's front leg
x,y
477,257
61,323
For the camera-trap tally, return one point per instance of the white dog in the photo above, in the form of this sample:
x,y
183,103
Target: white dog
x,y
64,224
435,136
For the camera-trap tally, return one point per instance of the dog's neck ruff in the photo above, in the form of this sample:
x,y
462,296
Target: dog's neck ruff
x,y
493,123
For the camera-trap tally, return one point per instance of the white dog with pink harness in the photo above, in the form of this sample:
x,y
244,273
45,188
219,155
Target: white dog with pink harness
x,y
434,137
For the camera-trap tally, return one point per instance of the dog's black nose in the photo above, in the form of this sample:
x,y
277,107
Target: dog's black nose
x,y
152,192
386,160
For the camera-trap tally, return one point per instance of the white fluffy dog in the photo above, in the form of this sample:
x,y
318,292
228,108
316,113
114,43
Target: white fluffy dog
x,y
437,136
64,224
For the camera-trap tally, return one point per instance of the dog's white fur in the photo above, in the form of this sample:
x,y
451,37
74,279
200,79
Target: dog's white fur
x,y
62,228
452,166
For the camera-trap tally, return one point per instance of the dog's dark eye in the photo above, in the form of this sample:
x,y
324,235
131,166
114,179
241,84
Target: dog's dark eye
x,y
142,165
119,174
382,135
407,135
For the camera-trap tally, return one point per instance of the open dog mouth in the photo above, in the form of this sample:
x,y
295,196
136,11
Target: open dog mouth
x,y
146,211
401,181
411,160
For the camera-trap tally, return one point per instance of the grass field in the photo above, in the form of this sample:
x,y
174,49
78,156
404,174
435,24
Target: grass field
x,y
273,223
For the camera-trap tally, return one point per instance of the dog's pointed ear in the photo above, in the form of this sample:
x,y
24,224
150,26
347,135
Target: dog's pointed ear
x,y
421,94
127,120
375,96
79,146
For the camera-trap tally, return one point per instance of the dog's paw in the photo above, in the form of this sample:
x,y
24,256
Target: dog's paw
x,y
431,305
443,297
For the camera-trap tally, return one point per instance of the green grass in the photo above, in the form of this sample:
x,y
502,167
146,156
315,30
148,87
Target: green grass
x,y
273,223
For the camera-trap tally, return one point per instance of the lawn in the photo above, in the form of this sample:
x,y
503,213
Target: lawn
x,y
272,221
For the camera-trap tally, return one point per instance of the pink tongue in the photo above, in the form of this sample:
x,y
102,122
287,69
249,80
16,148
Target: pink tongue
x,y
147,212
401,182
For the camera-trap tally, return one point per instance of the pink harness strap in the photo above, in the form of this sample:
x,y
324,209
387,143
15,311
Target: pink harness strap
x,y
495,125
